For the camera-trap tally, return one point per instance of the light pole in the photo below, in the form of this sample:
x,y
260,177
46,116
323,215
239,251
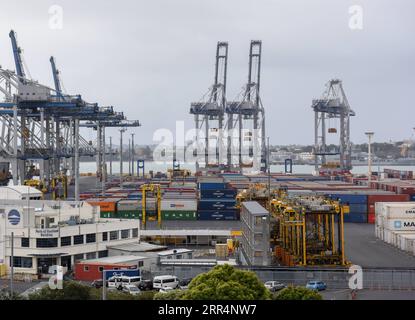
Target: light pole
x,y
369,160
132,154
121,132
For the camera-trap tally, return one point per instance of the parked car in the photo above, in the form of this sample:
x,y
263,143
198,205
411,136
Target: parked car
x,y
316,285
274,286
131,289
98,283
184,283
165,289
145,285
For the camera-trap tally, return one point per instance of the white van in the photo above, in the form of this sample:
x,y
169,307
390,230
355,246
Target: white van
x,y
165,281
118,282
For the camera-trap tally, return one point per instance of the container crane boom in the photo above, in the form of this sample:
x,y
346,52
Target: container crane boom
x,y
56,79
17,54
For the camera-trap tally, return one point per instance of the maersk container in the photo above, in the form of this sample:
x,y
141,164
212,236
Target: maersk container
x,y
217,204
212,186
218,194
394,210
179,204
217,215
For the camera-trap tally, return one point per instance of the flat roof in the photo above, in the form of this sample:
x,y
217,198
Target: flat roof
x,y
173,251
23,189
138,247
255,208
114,260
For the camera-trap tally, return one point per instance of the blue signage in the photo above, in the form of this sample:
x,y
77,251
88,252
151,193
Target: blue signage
x,y
122,272
14,217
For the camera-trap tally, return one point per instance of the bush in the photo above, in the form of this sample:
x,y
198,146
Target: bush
x,y
71,291
297,293
172,295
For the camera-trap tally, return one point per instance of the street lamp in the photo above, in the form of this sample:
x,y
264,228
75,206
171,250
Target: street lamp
x,y
121,180
369,160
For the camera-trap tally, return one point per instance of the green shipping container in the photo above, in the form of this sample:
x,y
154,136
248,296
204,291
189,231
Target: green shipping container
x,y
107,214
178,215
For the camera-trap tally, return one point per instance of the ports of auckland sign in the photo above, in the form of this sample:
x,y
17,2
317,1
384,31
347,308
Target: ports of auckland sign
x,y
14,217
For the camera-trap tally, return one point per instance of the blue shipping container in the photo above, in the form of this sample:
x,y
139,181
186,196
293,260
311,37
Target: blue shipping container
x,y
212,186
412,197
218,194
358,208
350,198
355,217
217,215
214,204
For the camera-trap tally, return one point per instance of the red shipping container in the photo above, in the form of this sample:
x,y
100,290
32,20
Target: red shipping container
x,y
372,199
371,218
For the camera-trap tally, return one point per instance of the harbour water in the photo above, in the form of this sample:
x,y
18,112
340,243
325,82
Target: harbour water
x,y
90,167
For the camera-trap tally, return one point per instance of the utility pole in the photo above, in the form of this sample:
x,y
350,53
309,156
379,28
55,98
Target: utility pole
x,y
369,160
12,265
269,173
132,154
121,168
110,157
129,157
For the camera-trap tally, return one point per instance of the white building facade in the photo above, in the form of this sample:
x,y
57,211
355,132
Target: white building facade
x,y
48,233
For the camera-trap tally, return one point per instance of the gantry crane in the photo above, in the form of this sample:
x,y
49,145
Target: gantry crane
x,y
41,124
308,230
210,111
333,105
250,115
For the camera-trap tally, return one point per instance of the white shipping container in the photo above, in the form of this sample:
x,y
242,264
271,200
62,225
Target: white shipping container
x,y
407,243
179,205
395,209
400,224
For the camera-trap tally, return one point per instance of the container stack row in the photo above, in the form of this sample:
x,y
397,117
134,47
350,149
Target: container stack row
x,y
395,224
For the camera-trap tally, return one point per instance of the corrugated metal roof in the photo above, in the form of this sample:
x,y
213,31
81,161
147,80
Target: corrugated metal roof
x,y
22,189
254,208
114,260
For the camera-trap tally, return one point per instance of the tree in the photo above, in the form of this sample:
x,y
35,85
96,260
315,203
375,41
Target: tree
x,y
224,282
71,291
297,293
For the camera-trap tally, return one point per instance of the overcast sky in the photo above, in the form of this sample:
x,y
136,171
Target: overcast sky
x,y
150,59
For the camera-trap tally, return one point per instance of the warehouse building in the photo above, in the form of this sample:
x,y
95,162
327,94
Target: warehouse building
x,y
255,249
20,193
48,233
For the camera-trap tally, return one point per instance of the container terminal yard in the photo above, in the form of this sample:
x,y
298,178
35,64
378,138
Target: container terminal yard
x,y
284,226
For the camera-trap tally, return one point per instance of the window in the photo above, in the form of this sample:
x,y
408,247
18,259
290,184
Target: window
x,y
78,257
66,241
140,263
46,242
105,236
91,255
25,243
100,269
114,235
135,233
125,234
22,262
78,239
86,268
90,238
103,254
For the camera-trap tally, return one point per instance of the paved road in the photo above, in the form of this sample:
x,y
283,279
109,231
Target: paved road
x,y
369,295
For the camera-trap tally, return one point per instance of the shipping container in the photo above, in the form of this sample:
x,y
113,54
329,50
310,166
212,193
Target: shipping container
x,y
178,215
355,217
218,194
217,215
358,208
349,198
179,204
216,204
212,186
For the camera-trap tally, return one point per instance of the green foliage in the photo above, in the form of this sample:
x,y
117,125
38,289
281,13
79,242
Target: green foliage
x,y
224,282
297,293
172,295
5,295
71,291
